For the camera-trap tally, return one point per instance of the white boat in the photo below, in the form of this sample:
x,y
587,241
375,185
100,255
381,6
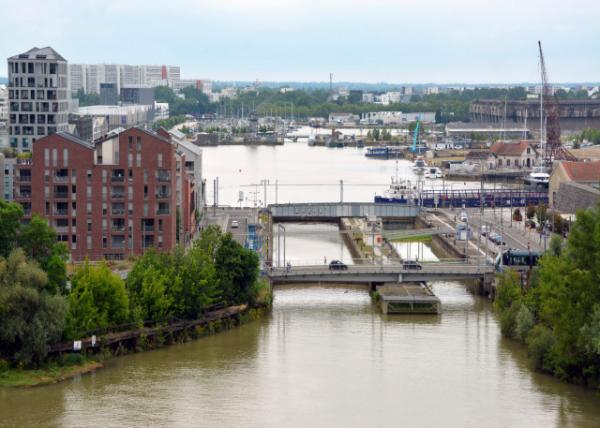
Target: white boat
x,y
433,172
538,178
419,164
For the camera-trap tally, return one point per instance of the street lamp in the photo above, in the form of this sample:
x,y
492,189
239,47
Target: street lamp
x,y
280,227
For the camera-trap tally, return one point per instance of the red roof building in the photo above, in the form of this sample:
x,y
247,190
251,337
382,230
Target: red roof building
x,y
111,198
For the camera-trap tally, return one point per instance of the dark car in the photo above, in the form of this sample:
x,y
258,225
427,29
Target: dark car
x,y
411,264
337,265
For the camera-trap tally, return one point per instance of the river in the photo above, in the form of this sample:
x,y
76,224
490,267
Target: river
x,y
325,357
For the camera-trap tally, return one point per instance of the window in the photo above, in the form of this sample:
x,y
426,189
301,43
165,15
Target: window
x,y
54,157
65,157
138,160
89,208
89,225
89,242
160,160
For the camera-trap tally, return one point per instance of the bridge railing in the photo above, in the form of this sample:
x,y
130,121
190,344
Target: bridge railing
x,y
454,267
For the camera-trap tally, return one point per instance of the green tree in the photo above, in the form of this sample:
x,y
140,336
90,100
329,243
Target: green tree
x,y
98,300
87,99
31,318
38,240
10,222
237,271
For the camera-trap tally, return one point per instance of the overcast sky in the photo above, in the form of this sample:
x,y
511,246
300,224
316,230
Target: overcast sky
x,y
397,41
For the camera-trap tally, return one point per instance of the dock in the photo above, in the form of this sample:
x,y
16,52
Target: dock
x,y
408,298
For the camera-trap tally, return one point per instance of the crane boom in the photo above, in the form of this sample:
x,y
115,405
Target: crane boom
x,y
416,136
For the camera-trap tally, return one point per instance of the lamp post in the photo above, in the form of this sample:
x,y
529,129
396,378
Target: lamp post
x,y
280,227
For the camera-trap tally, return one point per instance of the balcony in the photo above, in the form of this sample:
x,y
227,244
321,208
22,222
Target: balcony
x,y
61,178
118,228
163,177
61,229
23,194
118,211
61,212
24,178
163,211
163,195
148,228
61,195
117,195
117,178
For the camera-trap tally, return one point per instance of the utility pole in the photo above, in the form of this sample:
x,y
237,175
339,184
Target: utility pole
x,y
341,191
276,191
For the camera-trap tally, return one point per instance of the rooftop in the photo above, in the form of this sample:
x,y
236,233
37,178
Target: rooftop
x,y
501,148
582,171
40,53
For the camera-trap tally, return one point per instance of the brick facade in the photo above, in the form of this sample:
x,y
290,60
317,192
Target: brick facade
x,y
107,199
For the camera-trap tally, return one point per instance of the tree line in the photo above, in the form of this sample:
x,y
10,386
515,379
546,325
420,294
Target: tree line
x,y
41,306
557,315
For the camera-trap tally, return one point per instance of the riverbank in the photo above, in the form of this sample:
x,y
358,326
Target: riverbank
x,y
46,375
133,341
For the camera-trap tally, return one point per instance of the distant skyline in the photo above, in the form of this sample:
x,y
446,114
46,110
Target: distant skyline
x,y
402,41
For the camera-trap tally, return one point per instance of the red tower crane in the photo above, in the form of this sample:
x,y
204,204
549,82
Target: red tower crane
x,y
553,149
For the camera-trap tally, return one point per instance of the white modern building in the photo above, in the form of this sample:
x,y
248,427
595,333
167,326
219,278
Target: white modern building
x,y
39,96
125,116
89,76
396,118
3,103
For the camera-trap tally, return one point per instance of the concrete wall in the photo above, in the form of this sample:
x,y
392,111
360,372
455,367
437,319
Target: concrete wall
x,y
572,196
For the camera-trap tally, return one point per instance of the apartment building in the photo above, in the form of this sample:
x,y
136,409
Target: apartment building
x,y
39,98
3,103
109,198
90,77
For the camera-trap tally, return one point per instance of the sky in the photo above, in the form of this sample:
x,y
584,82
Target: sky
x,y
394,41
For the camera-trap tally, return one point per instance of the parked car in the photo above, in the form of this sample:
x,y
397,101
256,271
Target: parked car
x,y
485,230
235,224
337,265
411,264
496,239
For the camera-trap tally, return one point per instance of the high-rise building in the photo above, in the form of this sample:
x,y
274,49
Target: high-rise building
x,y
89,77
113,197
3,103
39,96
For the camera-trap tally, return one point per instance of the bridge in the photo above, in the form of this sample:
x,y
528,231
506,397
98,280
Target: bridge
x,y
328,211
379,274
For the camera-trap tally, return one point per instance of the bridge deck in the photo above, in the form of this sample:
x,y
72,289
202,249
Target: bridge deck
x,y
335,210
382,273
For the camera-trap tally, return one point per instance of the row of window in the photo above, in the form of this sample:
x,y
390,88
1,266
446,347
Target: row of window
x,y
43,107
32,94
26,119
25,67
117,241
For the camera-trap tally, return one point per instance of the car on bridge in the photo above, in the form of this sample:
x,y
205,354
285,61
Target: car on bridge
x,y
411,264
337,265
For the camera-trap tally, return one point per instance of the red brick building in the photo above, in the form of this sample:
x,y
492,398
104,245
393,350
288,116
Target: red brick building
x,y
110,198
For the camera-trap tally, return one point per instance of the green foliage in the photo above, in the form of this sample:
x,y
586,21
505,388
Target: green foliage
x,y
216,269
168,123
87,99
194,101
98,300
541,213
10,222
589,134
237,271
31,318
556,245
559,317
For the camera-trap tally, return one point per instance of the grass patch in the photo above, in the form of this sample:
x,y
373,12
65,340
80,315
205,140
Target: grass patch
x,y
51,373
424,239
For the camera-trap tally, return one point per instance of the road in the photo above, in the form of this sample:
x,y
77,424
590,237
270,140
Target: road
x,y
225,216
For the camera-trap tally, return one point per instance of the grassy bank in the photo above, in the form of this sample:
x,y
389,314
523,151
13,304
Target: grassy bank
x,y
426,239
72,365
45,375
